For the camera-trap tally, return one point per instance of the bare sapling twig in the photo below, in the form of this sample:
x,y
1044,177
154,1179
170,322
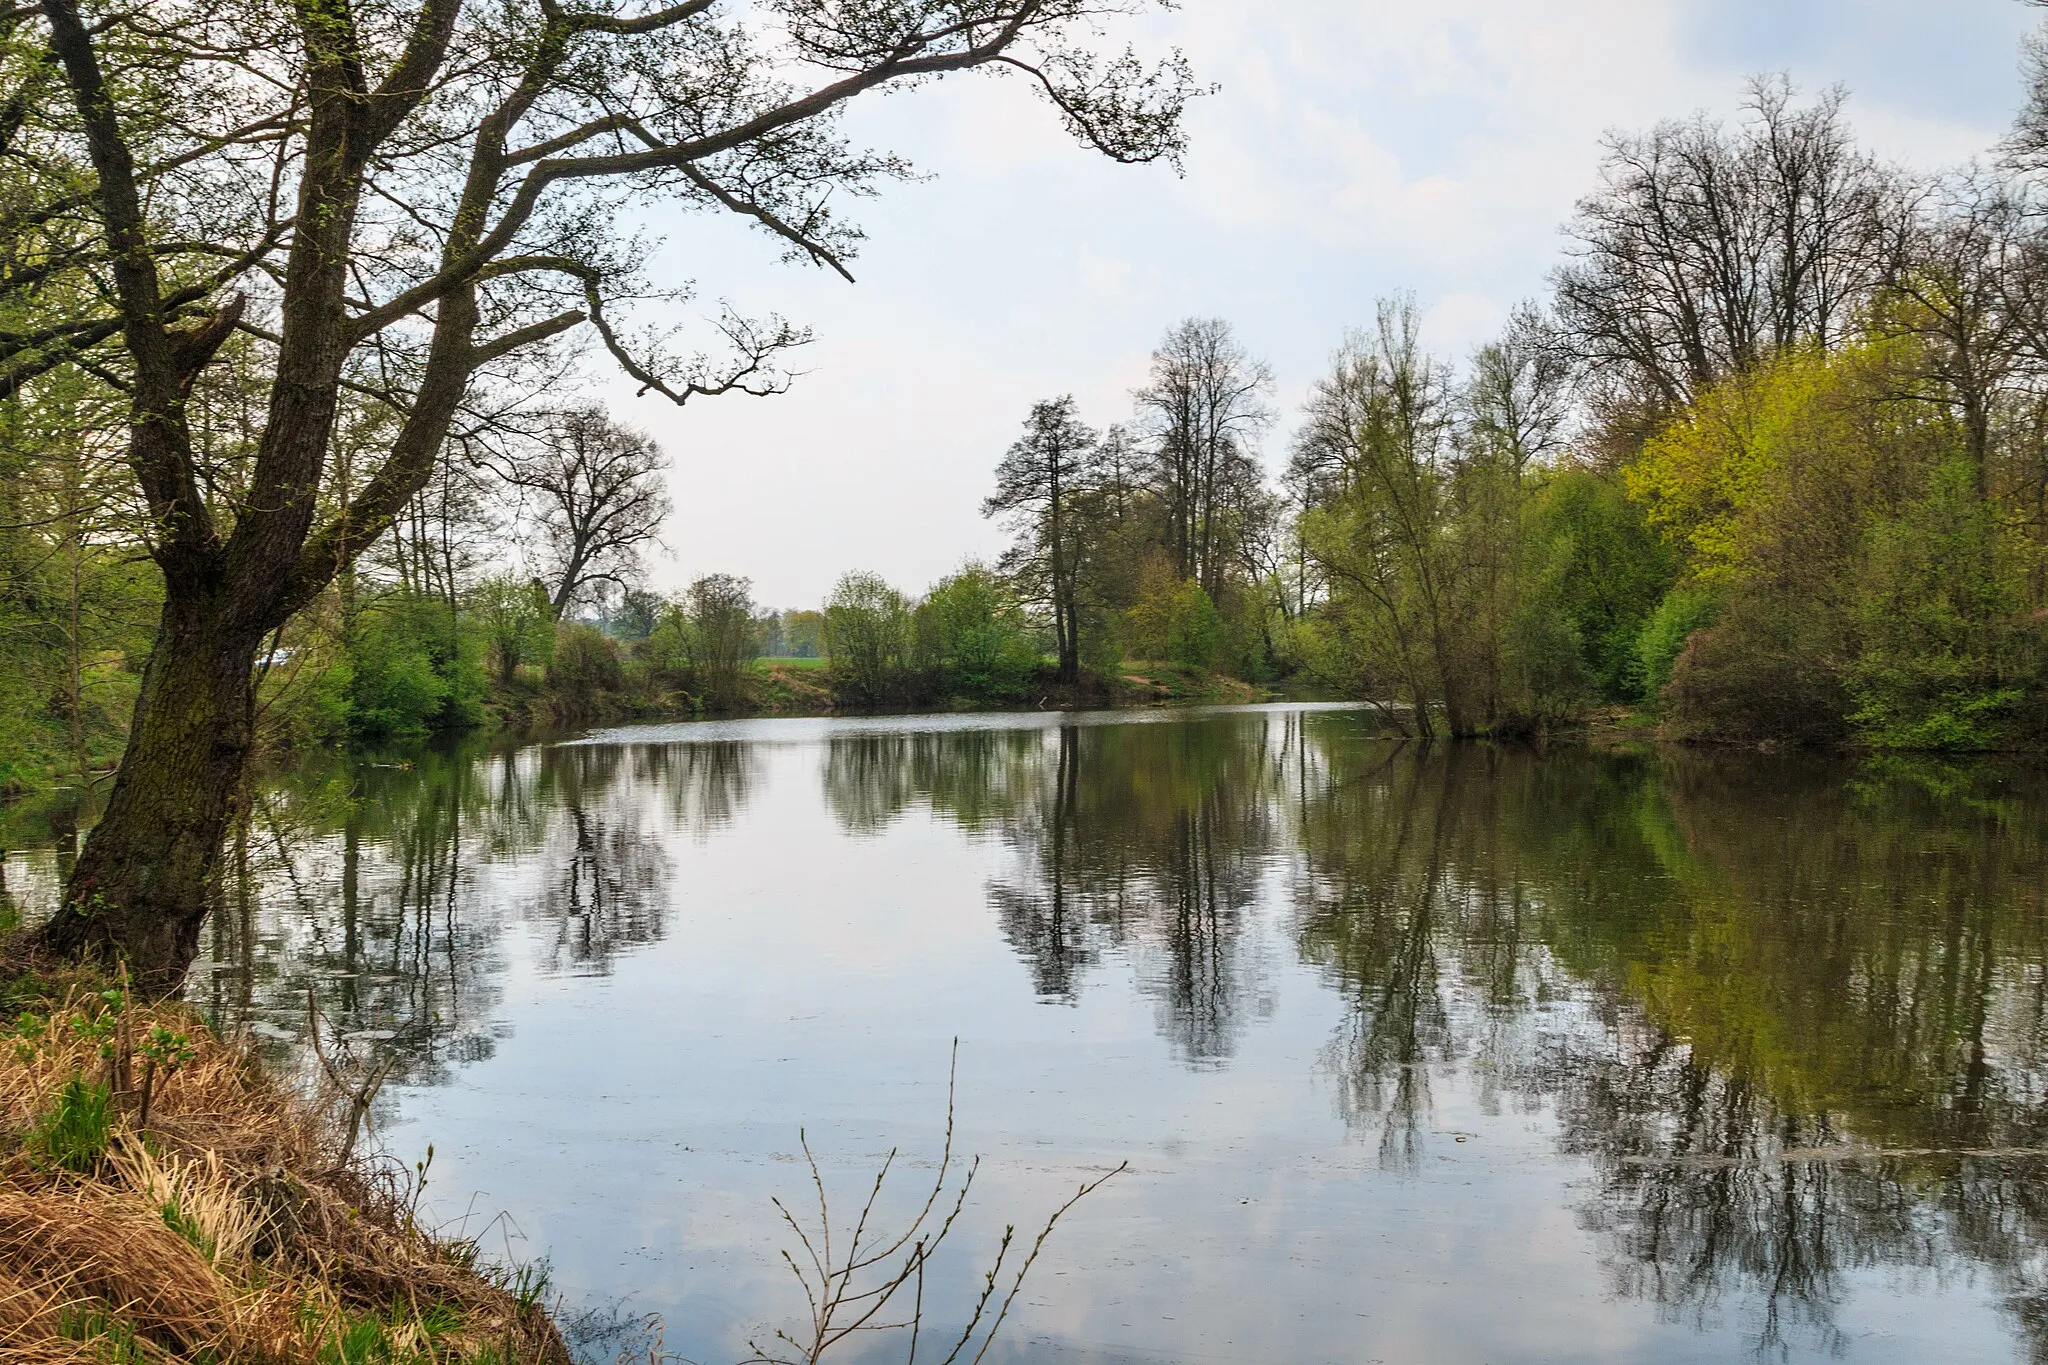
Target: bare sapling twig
x,y
855,1287
358,1097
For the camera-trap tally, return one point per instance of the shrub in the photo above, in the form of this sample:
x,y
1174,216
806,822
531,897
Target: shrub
x,y
586,663
867,636
1938,667
1663,636
721,638
515,621
972,639
1763,672
412,666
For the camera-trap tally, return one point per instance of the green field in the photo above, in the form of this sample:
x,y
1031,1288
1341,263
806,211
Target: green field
x,y
791,662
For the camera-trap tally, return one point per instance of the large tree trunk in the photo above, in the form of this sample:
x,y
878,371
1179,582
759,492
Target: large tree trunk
x,y
146,879
1066,631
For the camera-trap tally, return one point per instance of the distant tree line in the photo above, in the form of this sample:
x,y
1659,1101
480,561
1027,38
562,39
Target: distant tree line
x,y
1772,460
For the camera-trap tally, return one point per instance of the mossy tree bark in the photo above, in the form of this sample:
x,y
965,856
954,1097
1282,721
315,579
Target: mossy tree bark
x,y
143,884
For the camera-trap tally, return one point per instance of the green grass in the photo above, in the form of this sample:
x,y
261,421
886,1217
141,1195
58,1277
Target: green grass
x,y
74,1133
792,663
114,1338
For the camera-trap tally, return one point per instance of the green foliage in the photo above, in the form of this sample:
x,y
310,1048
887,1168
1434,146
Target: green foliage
x,y
1663,636
73,1133
634,616
587,663
77,603
515,622
792,635
175,1219
972,638
1763,673
168,1048
1937,616
357,1341
704,643
671,647
1866,579
868,638
1603,572
529,1282
1175,622
408,665
113,1338
721,638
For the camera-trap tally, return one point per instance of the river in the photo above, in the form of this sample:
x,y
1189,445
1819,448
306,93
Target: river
x,y
1415,1054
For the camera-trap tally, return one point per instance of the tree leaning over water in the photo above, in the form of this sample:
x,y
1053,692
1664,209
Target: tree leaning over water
x,y
397,203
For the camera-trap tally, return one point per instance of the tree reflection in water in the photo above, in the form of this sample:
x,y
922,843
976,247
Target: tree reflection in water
x,y
1792,1015
385,889
1771,1005
1148,840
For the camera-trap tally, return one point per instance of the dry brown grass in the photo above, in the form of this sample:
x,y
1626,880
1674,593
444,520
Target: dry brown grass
x,y
232,1230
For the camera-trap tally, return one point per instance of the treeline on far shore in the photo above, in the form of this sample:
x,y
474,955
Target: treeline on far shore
x,y
1769,464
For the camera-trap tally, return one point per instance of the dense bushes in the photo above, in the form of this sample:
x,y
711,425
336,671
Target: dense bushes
x,y
1872,588
967,641
1174,620
971,640
1658,644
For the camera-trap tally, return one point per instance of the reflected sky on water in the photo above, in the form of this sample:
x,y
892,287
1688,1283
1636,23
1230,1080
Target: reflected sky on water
x,y
1416,1054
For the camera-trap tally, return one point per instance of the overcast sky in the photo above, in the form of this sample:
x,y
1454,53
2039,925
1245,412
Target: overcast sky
x,y
1356,148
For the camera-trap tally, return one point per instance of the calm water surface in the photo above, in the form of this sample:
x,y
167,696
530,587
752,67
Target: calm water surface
x,y
1416,1055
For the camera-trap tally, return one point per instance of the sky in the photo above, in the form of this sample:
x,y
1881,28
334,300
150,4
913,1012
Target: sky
x,y
1354,149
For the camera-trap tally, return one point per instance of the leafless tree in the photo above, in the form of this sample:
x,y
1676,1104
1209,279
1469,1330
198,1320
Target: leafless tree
x,y
1204,409
397,202
593,491
2026,149
1704,251
1519,394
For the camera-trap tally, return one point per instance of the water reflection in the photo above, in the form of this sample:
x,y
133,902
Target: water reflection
x,y
387,889
1811,993
1151,841
1783,1021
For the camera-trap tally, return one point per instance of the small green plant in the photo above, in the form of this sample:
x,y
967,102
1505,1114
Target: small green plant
x,y
163,1052
113,1340
361,1341
166,1048
176,1221
101,1027
419,1188
28,1032
528,1283
435,1320
73,1134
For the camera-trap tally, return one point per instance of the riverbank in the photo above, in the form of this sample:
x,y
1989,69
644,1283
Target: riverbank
x,y
804,688
164,1199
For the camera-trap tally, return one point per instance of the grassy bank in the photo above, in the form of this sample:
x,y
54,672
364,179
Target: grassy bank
x,y
807,687
163,1200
